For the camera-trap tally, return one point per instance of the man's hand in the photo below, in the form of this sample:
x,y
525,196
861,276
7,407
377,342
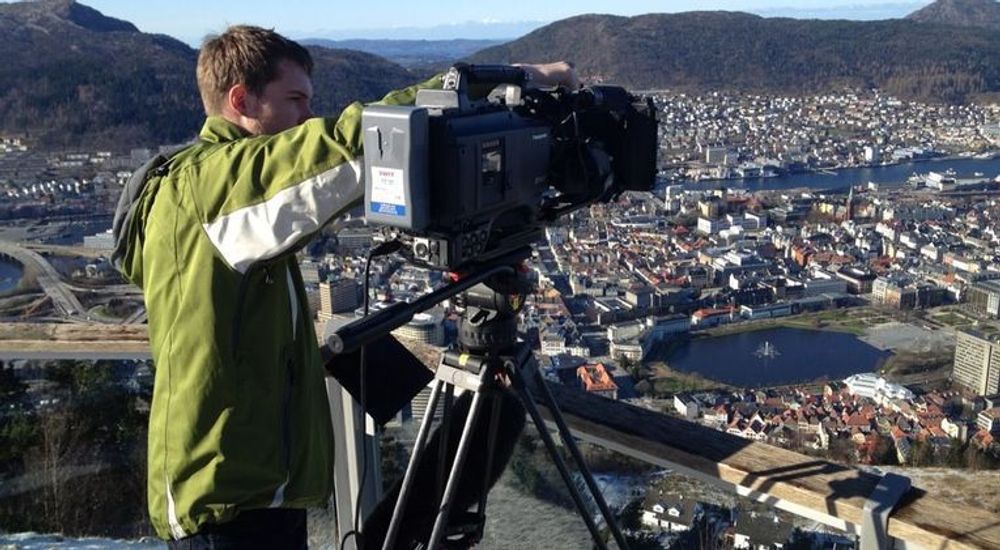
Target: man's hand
x,y
560,73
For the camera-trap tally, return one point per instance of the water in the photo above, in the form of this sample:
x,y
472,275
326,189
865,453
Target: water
x,y
802,356
10,275
965,168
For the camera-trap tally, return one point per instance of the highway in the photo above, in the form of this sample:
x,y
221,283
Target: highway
x,y
64,300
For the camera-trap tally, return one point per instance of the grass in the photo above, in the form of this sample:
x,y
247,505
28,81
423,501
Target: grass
x,y
952,319
904,362
667,381
850,320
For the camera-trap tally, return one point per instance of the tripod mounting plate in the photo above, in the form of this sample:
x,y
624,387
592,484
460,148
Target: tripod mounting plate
x,y
460,378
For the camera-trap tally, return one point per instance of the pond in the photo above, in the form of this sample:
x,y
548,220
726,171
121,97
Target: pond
x,y
775,357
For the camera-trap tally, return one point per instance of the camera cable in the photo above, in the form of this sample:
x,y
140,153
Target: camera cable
x,y
383,249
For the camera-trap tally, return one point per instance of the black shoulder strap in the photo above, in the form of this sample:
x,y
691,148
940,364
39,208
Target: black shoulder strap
x,y
125,211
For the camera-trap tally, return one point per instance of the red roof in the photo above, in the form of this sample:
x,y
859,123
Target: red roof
x,y
596,378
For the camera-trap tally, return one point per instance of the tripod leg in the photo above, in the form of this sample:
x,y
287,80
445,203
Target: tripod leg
x,y
411,468
456,470
444,429
570,443
491,445
517,382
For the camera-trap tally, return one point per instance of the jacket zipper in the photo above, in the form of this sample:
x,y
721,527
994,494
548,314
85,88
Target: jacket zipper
x,y
287,414
293,305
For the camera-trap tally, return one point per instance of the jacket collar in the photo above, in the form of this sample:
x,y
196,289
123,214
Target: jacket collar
x,y
219,130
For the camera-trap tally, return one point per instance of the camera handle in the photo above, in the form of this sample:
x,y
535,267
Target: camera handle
x,y
461,75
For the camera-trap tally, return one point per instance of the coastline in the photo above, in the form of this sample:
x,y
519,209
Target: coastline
x,y
835,170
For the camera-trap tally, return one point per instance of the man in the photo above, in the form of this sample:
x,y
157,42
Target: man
x,y
240,438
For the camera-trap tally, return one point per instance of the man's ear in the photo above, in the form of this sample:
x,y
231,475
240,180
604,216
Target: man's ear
x,y
242,101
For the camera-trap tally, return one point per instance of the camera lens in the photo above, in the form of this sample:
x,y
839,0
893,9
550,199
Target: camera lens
x,y
420,250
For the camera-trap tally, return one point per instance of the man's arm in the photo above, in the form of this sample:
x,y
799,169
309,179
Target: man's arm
x,y
551,75
287,186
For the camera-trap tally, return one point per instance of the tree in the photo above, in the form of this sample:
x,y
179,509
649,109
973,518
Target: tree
x,y
884,452
631,516
956,454
921,453
18,429
12,388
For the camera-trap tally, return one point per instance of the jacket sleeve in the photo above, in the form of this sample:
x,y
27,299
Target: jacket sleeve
x,y
284,188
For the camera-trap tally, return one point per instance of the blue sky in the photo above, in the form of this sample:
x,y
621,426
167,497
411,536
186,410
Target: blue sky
x,y
189,20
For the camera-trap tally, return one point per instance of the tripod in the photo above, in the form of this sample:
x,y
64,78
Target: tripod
x,y
490,357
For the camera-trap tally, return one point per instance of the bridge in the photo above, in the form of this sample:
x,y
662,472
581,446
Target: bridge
x,y
64,300
822,491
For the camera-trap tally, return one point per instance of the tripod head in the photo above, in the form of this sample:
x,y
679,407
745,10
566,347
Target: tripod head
x,y
504,287
488,324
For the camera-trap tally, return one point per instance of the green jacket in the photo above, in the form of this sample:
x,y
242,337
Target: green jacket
x,y
239,418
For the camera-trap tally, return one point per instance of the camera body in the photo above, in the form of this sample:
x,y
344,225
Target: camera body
x,y
462,180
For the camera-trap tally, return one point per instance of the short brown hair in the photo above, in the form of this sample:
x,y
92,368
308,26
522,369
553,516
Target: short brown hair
x,y
244,55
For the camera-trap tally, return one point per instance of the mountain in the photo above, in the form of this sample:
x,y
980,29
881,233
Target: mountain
x,y
964,13
700,51
342,76
410,53
72,77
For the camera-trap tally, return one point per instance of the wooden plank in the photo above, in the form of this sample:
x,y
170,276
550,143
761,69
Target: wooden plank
x,y
824,487
57,340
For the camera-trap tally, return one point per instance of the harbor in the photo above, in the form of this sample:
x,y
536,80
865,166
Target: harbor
x,y
964,168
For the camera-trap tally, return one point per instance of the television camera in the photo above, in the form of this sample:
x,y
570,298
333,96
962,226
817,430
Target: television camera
x,y
461,180
465,180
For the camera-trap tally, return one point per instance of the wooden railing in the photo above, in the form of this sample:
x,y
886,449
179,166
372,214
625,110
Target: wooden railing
x,y
73,341
809,487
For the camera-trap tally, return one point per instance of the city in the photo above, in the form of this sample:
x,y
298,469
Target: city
x,y
786,334
908,269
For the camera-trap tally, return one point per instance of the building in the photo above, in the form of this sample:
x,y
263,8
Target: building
x,y
823,284
337,297
977,363
596,380
872,155
425,328
633,350
754,530
941,182
310,272
711,226
902,294
671,513
553,342
100,241
686,405
875,387
989,420
859,281
766,311
716,155
353,238
983,298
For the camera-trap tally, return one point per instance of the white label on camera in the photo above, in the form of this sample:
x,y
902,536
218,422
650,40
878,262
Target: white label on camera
x,y
388,194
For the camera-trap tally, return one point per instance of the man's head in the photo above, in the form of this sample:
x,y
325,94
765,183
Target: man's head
x,y
255,78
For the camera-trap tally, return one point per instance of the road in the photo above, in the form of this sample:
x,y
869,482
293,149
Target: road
x,y
64,300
